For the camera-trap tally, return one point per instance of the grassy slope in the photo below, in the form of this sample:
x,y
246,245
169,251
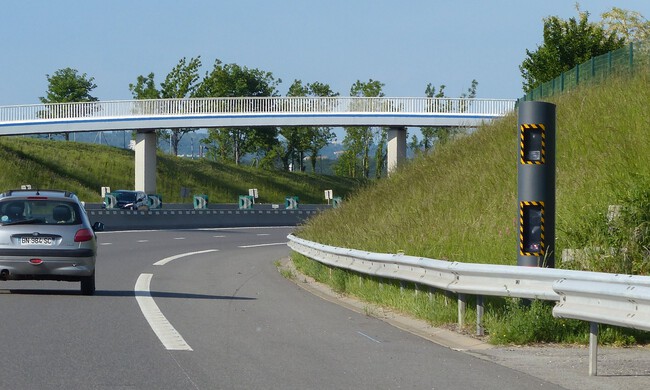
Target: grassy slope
x,y
85,168
459,203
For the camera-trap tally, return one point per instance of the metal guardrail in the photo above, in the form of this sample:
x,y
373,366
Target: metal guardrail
x,y
621,304
621,300
625,304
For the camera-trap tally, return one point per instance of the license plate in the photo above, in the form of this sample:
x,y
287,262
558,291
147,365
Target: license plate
x,y
36,241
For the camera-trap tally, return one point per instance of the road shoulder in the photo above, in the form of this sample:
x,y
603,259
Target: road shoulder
x,y
566,366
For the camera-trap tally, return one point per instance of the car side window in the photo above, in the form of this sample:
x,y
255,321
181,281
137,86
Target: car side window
x,y
12,211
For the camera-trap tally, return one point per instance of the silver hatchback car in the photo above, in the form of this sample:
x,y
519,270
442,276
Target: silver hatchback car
x,y
46,235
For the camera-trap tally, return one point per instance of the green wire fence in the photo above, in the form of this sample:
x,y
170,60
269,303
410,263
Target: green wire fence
x,y
629,58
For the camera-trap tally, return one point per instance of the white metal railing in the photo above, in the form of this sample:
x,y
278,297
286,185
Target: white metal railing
x,y
244,105
622,300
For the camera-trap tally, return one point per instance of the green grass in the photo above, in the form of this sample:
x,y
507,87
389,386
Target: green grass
x,y
459,203
85,168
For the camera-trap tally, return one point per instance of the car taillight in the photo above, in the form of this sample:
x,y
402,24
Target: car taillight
x,y
83,235
36,261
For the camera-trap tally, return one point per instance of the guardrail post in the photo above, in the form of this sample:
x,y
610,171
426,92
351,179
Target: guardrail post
x,y
536,185
462,307
593,348
479,316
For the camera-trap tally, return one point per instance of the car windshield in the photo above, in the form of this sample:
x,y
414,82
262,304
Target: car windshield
x,y
125,196
39,211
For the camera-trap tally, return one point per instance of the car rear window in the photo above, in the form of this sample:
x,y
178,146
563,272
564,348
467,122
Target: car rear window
x,y
39,211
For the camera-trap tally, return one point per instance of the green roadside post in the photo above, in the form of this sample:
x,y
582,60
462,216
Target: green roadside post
x,y
200,201
246,202
291,202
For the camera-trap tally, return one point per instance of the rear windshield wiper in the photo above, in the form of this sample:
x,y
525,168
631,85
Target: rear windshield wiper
x,y
23,222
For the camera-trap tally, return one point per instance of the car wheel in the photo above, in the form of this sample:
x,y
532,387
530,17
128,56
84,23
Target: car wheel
x,y
88,285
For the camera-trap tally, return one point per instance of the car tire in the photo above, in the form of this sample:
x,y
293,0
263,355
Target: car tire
x,y
88,285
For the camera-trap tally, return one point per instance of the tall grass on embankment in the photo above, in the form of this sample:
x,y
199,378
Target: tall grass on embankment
x,y
85,168
459,203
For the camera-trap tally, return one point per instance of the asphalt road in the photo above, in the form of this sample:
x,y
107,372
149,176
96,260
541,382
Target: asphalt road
x,y
224,318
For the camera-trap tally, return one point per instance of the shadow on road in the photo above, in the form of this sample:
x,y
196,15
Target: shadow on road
x,y
118,293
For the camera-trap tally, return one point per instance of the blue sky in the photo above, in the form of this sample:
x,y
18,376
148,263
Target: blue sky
x,y
404,44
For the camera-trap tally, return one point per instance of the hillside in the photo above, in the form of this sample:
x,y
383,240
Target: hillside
x,y
84,168
459,202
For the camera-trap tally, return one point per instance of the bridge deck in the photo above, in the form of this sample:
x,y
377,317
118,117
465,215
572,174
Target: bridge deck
x,y
247,112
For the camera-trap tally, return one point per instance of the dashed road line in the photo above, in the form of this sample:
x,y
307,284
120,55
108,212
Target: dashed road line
x,y
170,258
368,337
259,245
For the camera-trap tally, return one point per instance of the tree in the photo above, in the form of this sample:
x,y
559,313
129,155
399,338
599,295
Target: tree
x,y
430,134
319,137
295,137
359,139
68,86
232,80
567,43
440,135
145,88
301,139
631,26
181,82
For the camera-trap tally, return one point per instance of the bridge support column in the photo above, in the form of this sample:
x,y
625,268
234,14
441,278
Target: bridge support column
x,y
145,161
396,152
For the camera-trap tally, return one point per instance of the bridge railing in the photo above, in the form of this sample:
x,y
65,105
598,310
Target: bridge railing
x,y
256,105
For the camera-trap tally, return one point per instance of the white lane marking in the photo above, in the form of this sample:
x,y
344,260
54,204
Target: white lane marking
x,y
143,240
170,258
263,234
259,245
179,238
218,236
105,243
203,229
368,337
168,336
248,228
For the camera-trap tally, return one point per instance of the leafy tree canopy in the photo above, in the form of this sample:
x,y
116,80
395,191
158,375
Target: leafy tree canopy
x,y
232,80
300,139
355,160
629,25
181,82
567,43
68,86
433,135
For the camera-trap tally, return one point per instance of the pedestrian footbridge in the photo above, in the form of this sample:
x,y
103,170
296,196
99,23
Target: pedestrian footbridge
x,y
144,116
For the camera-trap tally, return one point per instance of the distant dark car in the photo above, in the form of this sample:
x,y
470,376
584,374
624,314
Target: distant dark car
x,y
46,235
130,200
